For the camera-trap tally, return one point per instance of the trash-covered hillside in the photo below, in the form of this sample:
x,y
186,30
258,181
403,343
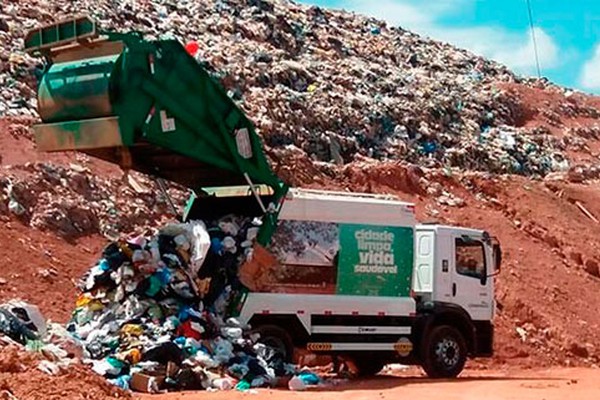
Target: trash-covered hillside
x,y
324,84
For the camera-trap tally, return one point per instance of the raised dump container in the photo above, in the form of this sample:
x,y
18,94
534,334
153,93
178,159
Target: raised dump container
x,y
144,105
147,105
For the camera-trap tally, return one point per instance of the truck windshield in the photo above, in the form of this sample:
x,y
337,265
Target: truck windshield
x,y
470,258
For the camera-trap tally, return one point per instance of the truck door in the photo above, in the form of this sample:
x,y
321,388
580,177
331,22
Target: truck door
x,y
470,288
424,263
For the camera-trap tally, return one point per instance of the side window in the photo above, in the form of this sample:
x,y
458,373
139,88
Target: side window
x,y
470,258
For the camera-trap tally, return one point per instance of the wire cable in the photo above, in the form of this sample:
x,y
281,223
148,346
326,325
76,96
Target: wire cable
x,y
534,39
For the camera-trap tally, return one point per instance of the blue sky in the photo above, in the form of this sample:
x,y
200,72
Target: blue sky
x,y
567,31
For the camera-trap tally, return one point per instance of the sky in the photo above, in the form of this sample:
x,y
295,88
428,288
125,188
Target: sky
x,y
567,32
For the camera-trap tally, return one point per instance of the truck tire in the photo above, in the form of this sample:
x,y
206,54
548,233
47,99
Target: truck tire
x,y
368,365
444,352
278,339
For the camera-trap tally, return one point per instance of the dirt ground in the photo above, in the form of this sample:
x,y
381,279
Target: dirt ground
x,y
547,384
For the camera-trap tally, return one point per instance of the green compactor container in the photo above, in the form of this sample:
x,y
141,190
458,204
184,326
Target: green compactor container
x,y
147,106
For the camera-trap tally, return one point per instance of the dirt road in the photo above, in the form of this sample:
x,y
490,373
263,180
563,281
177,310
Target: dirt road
x,y
550,384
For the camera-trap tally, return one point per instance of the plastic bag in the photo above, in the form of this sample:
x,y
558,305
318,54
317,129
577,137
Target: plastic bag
x,y
12,327
197,241
296,384
28,314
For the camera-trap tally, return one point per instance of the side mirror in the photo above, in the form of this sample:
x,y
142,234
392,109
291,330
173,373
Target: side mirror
x,y
497,261
497,254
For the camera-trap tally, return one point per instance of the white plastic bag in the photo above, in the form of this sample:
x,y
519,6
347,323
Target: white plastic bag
x,y
200,245
198,241
296,384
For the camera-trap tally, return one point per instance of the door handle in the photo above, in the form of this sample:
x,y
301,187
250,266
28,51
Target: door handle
x,y
454,289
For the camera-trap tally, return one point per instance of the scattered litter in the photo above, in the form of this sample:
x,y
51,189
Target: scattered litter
x,y
303,381
586,212
522,333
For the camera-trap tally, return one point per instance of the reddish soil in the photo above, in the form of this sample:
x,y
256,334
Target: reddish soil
x,y
20,379
40,268
559,112
570,107
546,242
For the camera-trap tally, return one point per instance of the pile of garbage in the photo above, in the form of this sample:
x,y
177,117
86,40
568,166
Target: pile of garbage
x,y
326,84
153,311
154,315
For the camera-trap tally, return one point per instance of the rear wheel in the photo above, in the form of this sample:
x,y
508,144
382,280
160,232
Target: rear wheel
x,y
444,352
278,340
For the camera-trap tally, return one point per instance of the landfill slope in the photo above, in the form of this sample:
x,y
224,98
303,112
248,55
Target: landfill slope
x,y
369,89
342,102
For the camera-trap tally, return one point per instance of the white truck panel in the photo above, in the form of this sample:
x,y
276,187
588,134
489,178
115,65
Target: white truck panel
x,y
363,346
442,277
303,205
362,330
306,305
451,287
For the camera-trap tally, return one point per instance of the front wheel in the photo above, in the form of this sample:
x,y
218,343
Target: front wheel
x,y
444,352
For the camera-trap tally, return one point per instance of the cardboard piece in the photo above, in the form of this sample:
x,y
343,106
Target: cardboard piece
x,y
146,383
257,273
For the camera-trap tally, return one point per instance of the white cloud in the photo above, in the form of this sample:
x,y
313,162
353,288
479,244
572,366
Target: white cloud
x,y
590,74
406,13
521,57
515,49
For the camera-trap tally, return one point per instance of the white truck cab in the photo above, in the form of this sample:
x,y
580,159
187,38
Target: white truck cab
x,y
354,275
453,265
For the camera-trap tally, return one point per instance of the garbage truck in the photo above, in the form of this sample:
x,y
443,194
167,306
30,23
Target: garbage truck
x,y
349,275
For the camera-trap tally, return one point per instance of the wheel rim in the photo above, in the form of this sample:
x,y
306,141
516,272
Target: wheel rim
x,y
447,353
